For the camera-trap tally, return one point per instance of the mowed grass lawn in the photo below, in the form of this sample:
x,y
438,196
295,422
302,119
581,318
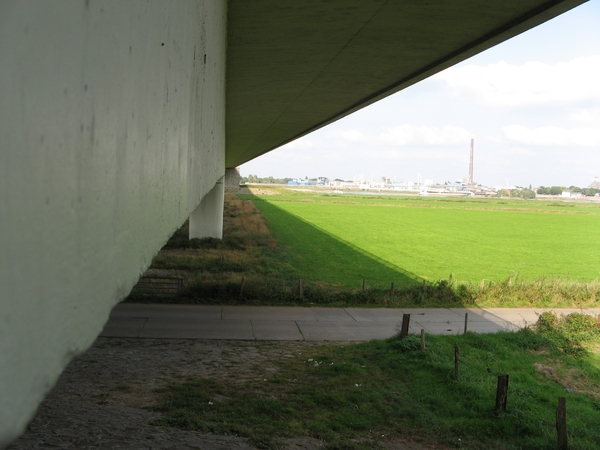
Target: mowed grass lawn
x,y
433,238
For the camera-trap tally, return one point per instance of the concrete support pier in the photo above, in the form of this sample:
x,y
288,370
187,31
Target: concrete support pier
x,y
232,180
207,218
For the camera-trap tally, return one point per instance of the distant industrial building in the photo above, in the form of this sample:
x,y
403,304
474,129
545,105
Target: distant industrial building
x,y
595,184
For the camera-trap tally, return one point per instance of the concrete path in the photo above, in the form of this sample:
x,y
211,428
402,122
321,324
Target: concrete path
x,y
275,323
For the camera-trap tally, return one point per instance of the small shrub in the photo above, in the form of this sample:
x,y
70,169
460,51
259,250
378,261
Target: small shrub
x,y
579,323
569,333
408,343
527,339
465,294
547,322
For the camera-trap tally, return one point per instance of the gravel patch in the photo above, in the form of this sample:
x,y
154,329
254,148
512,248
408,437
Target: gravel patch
x,y
101,399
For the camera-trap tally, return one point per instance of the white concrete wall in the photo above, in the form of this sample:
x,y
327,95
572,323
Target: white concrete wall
x,y
111,132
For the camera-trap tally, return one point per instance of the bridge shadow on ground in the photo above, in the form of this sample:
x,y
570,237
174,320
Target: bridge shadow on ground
x,y
321,257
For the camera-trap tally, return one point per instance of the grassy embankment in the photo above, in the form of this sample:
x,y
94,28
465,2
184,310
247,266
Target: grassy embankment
x,y
356,396
436,251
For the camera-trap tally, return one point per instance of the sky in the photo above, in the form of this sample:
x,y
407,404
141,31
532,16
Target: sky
x,y
532,104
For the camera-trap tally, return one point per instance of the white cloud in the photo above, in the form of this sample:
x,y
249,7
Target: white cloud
x,y
412,155
442,156
418,135
530,83
299,144
349,135
285,155
519,151
403,135
389,155
553,136
587,116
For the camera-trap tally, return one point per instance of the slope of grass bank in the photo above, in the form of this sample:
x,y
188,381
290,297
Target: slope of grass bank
x,y
355,396
261,262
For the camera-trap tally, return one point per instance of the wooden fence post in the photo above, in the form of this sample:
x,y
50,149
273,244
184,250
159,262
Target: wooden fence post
x,y
392,290
242,287
466,321
456,360
561,424
300,290
501,393
405,325
364,284
422,339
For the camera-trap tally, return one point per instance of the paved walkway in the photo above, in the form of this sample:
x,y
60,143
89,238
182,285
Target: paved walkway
x,y
279,323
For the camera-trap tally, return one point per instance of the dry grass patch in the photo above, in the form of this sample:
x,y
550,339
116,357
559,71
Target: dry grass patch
x,y
245,223
213,269
259,191
572,379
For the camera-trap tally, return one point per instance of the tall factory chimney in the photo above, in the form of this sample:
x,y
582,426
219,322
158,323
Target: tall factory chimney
x,y
471,163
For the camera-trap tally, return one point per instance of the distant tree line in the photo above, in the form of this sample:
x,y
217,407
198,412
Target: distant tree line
x,y
523,193
268,180
517,193
557,190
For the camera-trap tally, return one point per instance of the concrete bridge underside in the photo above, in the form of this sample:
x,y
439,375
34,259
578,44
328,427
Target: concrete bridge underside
x,y
293,67
119,119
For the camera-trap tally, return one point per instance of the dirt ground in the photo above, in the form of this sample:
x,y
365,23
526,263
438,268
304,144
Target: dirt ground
x,y
102,398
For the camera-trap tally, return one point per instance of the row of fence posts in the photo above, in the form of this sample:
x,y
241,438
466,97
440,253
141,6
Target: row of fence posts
x,y
501,387
406,325
364,287
301,292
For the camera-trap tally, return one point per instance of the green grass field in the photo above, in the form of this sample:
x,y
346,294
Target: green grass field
x,y
345,238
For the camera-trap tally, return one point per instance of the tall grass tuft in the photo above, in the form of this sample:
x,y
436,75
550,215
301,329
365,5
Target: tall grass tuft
x,y
571,333
540,293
